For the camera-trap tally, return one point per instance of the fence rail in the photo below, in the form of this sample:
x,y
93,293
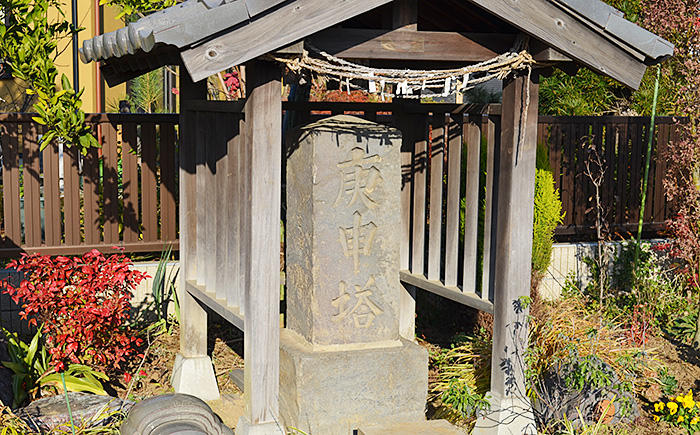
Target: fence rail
x,y
125,194
58,201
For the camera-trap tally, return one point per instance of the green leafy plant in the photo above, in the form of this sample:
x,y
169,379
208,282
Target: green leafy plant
x,y
163,288
32,371
28,41
683,327
547,214
669,383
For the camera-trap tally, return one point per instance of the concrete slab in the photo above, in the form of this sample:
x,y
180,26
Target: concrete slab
x,y
429,427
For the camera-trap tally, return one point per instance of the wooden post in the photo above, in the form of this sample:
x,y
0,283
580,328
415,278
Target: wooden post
x,y
193,372
261,243
514,190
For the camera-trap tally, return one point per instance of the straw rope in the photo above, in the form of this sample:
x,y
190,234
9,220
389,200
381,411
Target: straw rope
x,y
409,83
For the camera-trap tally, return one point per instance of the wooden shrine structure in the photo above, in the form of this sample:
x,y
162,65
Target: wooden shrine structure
x,y
231,156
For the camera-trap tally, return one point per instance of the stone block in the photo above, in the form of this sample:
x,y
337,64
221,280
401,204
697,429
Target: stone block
x,y
335,392
343,231
428,427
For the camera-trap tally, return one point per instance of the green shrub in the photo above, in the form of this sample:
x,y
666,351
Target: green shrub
x,y
547,214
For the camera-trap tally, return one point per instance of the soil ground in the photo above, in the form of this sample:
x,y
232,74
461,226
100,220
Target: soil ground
x,y
439,321
225,345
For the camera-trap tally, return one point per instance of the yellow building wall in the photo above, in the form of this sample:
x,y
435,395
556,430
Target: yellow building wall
x,y
87,73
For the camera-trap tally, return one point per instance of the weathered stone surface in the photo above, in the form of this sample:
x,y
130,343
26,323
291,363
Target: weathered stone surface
x,y
334,392
88,409
428,427
343,231
173,414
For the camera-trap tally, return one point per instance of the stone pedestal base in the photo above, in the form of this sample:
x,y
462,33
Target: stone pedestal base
x,y
507,416
244,427
333,392
195,376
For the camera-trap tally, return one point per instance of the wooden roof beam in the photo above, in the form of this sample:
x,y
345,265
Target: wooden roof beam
x,y
268,32
375,44
573,38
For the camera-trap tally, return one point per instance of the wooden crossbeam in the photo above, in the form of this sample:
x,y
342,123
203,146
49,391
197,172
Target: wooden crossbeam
x,y
402,44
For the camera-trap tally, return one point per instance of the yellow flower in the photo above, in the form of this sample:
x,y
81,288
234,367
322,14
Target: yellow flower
x,y
680,419
659,406
695,420
656,418
689,403
672,407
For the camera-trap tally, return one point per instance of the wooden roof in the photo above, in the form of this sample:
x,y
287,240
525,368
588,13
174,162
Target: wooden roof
x,y
208,36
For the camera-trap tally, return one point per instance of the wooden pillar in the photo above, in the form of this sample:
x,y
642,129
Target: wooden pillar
x,y
193,372
261,244
514,187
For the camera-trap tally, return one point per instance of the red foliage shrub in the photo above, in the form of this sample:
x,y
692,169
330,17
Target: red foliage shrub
x,y
82,304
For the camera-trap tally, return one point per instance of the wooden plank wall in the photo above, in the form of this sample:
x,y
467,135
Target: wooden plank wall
x,y
622,143
125,193
59,201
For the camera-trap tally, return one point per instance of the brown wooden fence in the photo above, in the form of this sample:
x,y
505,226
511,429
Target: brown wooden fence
x,y
58,201
125,194
622,144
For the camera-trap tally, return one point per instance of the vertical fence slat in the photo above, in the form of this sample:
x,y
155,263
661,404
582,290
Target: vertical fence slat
x,y
658,214
454,155
168,190
202,199
52,204
437,158
649,204
244,213
406,186
567,179
149,201
233,234
622,173
610,156
581,182
636,136
71,195
31,178
420,164
91,191
110,186
220,160
555,146
210,236
471,209
130,183
492,143
10,169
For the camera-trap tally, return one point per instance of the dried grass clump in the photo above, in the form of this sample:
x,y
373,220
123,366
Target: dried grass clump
x,y
466,367
565,328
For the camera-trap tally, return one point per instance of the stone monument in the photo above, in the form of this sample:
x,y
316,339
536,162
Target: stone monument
x,y
342,361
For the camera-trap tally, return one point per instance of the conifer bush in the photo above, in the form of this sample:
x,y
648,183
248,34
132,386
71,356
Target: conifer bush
x,y
547,214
